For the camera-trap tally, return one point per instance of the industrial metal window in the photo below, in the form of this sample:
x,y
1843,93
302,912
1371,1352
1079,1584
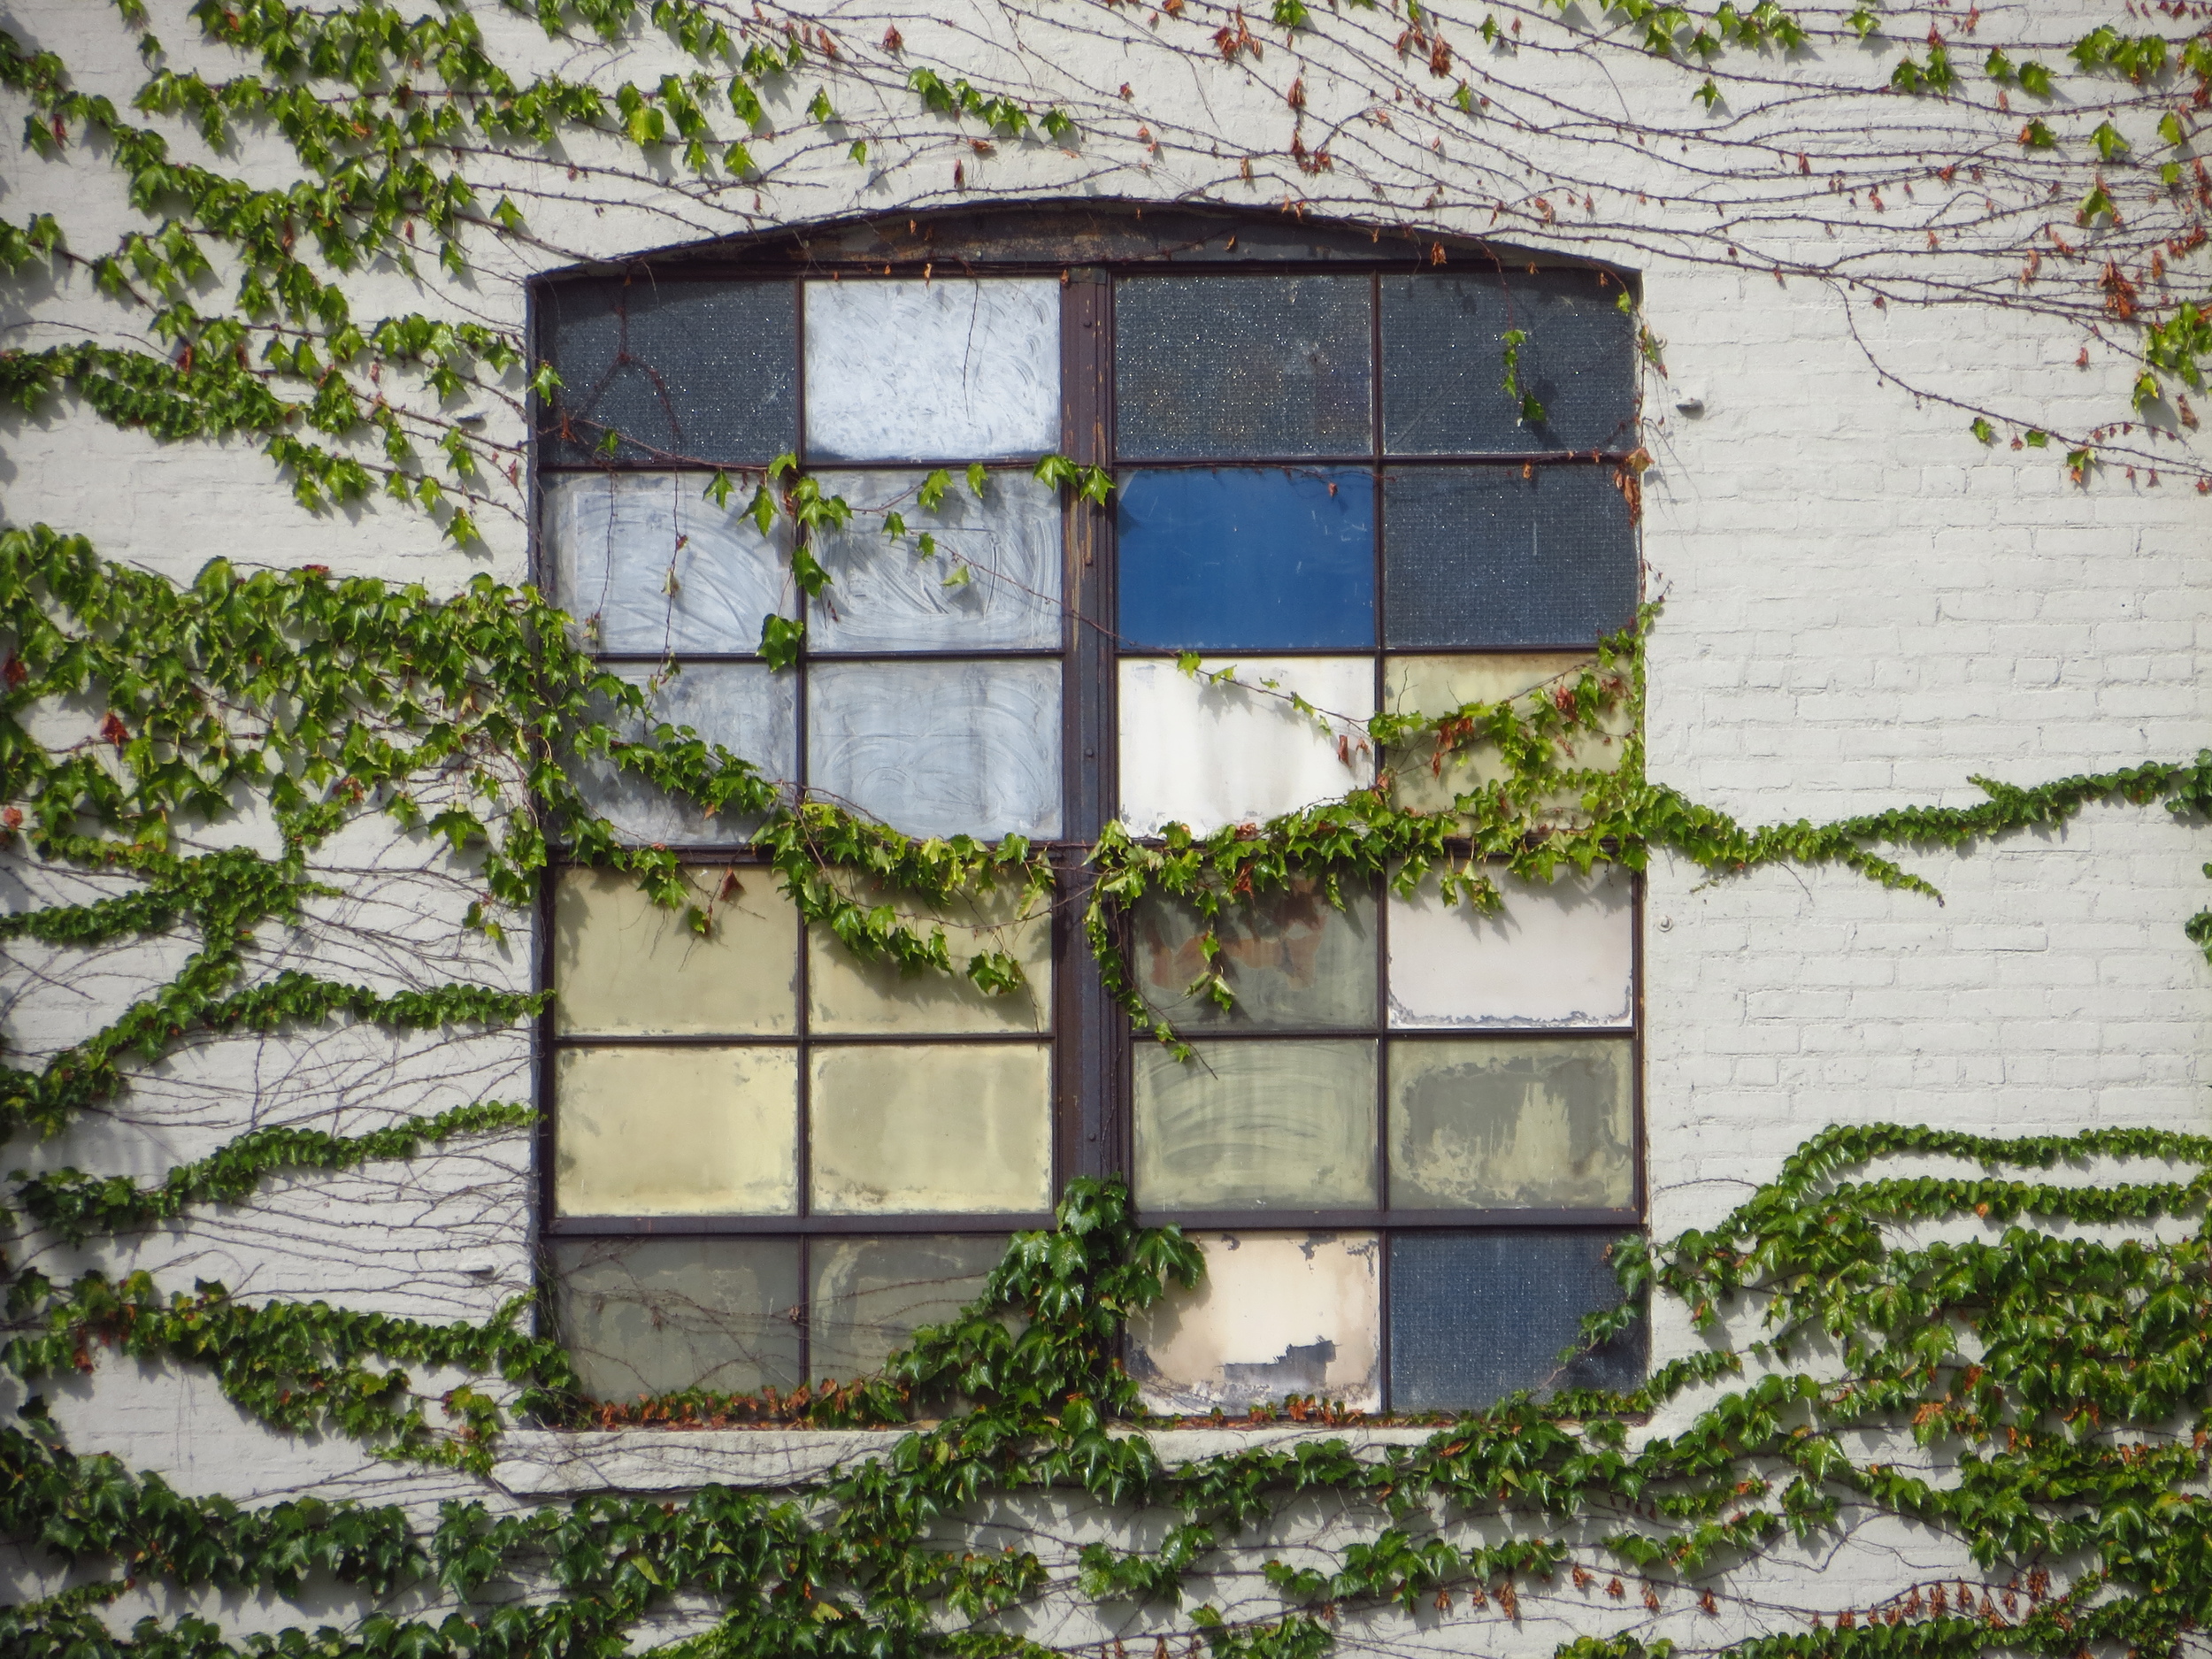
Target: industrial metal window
x,y
1407,1146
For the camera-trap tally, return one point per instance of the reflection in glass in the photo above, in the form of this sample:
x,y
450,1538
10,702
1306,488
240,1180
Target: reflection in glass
x,y
1256,1125
676,1131
886,595
1292,958
742,706
846,995
940,749
1475,1316
944,370
869,1296
1512,1123
938,1128
657,1316
1232,366
623,966
1561,953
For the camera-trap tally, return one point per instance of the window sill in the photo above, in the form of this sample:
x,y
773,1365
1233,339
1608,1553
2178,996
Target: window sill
x,y
553,1462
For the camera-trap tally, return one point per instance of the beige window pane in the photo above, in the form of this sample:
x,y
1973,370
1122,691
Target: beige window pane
x,y
932,1128
1291,957
1257,1125
869,1296
676,1131
1511,1123
656,1316
1437,685
846,995
1277,1314
622,966
1561,954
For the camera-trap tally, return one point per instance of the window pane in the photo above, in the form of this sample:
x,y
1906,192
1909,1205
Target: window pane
x,y
742,706
1443,340
1257,1125
1474,1315
933,1128
623,966
885,596
1511,1124
1481,556
1292,957
656,360
1435,686
1560,953
1241,365
1209,754
659,1316
949,370
661,567
869,1296
1247,560
846,995
1278,1313
940,749
676,1131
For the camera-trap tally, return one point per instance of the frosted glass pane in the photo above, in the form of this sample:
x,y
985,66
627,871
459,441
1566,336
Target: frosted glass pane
x,y
885,596
622,540
742,706
676,1131
1475,1316
846,995
1242,365
949,370
659,1316
622,966
938,1128
1292,958
1248,559
1206,754
654,358
940,749
1510,1124
1254,1126
1560,953
1277,1314
1437,685
869,1296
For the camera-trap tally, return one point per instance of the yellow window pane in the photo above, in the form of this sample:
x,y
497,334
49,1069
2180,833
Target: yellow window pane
x,y
1511,1123
622,966
932,1128
656,1316
869,1296
846,995
1437,685
1256,1125
676,1131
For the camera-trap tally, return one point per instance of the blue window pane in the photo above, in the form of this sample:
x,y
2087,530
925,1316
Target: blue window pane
x,y
1252,560
1480,557
1476,1316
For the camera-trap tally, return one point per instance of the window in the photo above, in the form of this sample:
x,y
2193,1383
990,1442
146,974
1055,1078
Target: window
x,y
1407,1146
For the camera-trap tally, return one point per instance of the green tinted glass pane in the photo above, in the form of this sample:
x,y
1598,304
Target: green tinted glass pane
x,y
656,1316
1257,1125
868,1296
1512,1123
1291,958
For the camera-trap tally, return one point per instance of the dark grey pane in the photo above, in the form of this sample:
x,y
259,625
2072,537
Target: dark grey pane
x,y
683,371
869,1296
1476,1316
657,1316
1482,557
1235,366
1443,362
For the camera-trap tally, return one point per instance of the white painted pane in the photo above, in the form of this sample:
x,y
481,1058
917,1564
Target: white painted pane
x,y
938,1128
1208,754
623,966
1561,953
940,749
1257,1125
1427,781
1291,957
676,1131
1511,1123
659,1316
1001,554
954,369
742,706
846,995
1277,1314
869,1296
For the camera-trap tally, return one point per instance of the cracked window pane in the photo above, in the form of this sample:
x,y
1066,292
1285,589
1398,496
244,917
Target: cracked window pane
x,y
1561,953
623,966
1512,1124
1257,1125
869,1296
1292,958
676,1130
932,1128
657,1316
